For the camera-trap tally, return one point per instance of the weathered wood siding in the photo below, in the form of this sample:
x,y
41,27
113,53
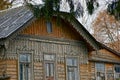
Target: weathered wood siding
x,y
40,46
59,30
12,69
2,65
104,55
109,71
84,72
108,59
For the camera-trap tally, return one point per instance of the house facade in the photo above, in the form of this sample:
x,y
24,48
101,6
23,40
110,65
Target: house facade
x,y
36,49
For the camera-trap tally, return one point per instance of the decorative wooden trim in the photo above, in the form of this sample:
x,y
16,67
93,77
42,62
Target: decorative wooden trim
x,y
26,51
55,64
82,31
50,40
78,65
105,61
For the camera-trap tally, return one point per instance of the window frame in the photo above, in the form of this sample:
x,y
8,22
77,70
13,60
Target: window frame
x,y
49,62
102,72
77,66
31,63
116,73
49,26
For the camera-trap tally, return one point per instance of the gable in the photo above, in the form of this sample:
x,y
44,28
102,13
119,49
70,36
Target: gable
x,y
21,16
60,30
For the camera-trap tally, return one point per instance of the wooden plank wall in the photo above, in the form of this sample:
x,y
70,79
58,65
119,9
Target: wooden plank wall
x,y
106,53
84,72
2,66
12,69
63,30
38,71
38,49
91,71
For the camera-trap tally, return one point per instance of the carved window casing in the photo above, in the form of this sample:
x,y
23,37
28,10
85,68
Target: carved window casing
x,y
49,66
25,66
72,68
100,71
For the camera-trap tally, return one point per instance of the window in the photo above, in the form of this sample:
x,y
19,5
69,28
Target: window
x,y
25,66
72,69
49,63
100,71
49,26
117,72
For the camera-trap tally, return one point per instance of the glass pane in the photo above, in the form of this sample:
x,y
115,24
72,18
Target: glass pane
x,y
72,69
24,57
117,69
49,57
51,69
49,27
71,61
70,76
72,73
27,73
21,71
76,74
100,67
47,69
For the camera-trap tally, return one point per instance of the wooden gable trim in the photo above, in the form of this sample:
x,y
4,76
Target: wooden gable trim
x,y
50,40
81,30
104,61
109,49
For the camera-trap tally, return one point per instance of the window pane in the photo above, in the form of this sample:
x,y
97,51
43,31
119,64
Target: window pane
x,y
49,27
100,67
76,73
69,75
27,71
117,69
72,70
21,71
71,61
25,68
49,57
47,69
51,69
100,71
24,57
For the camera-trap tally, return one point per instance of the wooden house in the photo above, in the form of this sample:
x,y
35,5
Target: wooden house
x,y
35,49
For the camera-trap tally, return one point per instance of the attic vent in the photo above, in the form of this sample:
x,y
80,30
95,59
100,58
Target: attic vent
x,y
49,26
